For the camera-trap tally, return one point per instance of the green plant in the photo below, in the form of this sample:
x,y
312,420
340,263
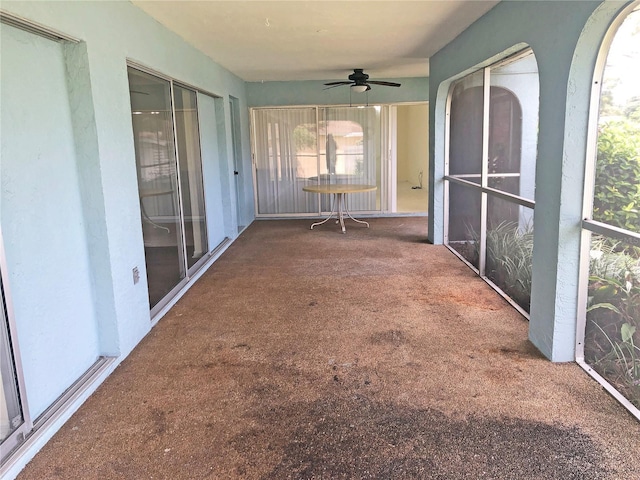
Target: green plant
x,y
509,251
509,254
613,317
617,183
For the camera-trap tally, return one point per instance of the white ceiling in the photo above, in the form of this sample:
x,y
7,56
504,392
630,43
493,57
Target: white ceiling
x,y
316,40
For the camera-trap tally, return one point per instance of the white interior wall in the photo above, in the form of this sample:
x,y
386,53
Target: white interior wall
x,y
413,143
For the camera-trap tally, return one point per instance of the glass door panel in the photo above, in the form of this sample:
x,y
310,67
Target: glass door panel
x,y
190,168
350,152
157,183
286,160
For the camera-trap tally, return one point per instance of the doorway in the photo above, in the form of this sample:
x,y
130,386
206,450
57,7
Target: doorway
x,y
238,171
412,159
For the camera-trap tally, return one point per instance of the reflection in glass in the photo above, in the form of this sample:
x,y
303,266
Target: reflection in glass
x,y
465,131
612,335
157,182
190,163
509,249
464,221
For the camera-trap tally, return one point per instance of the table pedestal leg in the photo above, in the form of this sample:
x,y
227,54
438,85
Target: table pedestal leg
x,y
339,207
355,220
340,200
333,204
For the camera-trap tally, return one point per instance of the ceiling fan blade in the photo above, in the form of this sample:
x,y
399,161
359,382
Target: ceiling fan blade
x,y
387,84
338,85
342,82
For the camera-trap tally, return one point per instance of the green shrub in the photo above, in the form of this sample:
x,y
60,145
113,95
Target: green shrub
x,y
509,255
617,183
612,337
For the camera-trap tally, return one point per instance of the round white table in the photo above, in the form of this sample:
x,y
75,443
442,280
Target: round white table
x,y
339,192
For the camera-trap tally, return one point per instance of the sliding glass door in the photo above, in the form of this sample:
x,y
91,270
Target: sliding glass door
x,y
295,147
170,187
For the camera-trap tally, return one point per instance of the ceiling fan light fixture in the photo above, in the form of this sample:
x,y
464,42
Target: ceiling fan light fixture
x,y
358,88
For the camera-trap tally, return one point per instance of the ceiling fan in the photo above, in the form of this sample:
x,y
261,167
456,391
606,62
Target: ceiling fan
x,y
360,82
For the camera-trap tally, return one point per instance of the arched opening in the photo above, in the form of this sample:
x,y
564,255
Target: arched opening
x,y
609,344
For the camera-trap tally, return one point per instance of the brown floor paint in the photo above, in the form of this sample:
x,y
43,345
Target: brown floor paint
x,y
315,355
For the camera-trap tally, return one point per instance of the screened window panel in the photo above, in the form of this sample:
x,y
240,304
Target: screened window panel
x,y
11,416
509,249
501,246
612,329
286,150
612,344
513,127
617,181
464,221
465,133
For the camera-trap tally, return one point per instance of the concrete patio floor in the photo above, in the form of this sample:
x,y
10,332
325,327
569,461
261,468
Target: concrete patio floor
x,y
315,355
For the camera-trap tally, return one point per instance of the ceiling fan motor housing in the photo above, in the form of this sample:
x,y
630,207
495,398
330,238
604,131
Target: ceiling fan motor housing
x,y
359,77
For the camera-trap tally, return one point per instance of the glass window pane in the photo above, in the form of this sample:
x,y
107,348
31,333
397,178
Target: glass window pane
x,y
509,249
513,127
464,221
190,164
612,335
617,181
465,131
157,182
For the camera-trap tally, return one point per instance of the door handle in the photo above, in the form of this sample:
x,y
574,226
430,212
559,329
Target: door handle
x,y
235,172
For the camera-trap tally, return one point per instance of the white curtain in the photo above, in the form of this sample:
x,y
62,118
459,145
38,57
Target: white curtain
x,y
286,151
